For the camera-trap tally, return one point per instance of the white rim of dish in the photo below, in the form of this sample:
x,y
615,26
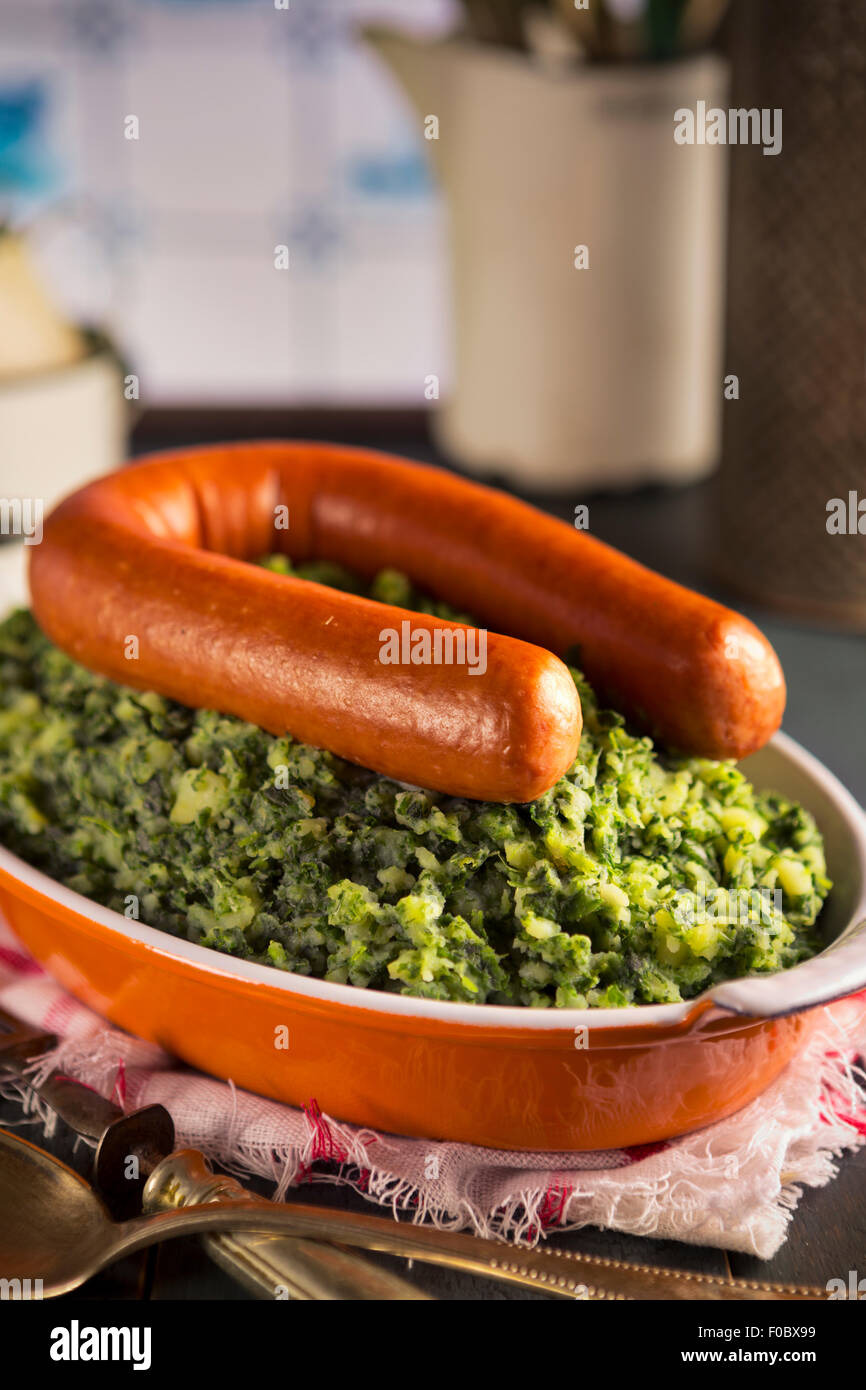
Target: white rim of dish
x,y
443,1011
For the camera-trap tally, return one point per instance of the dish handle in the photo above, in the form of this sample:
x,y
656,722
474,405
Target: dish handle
x,y
837,972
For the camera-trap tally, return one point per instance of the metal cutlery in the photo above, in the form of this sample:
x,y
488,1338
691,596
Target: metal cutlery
x,y
306,1269
57,1231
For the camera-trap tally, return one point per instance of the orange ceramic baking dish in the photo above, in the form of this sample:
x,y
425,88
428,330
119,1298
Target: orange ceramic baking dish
x,y
504,1077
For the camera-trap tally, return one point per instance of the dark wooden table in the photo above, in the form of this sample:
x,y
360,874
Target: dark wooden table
x,y
826,671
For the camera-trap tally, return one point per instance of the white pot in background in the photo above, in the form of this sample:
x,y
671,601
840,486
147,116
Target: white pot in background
x,y
607,376
58,428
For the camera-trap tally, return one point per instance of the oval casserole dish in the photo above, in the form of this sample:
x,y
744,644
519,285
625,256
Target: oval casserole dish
x,y
509,1078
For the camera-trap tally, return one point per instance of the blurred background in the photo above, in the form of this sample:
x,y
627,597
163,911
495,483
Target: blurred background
x,y
475,231
257,127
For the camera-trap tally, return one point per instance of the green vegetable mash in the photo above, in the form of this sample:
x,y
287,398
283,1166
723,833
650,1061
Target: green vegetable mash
x,y
638,878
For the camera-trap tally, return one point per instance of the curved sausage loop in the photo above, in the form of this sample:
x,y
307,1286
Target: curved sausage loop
x,y
156,551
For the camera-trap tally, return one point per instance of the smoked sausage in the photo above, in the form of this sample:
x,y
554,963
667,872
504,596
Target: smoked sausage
x,y
155,552
140,577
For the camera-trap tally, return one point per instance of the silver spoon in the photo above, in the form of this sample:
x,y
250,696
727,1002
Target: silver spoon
x,y
56,1230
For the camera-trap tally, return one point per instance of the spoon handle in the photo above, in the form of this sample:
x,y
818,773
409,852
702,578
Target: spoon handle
x,y
267,1264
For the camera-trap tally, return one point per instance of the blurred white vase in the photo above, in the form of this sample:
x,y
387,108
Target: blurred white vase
x,y
58,428
605,376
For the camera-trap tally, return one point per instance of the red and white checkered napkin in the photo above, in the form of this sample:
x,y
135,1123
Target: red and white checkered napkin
x,y
733,1184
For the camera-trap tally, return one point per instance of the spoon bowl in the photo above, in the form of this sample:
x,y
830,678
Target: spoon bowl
x,y
57,1233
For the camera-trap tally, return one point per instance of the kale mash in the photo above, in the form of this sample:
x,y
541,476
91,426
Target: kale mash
x,y
639,878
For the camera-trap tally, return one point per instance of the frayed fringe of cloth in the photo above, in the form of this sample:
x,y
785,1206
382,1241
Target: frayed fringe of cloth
x,y
734,1184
